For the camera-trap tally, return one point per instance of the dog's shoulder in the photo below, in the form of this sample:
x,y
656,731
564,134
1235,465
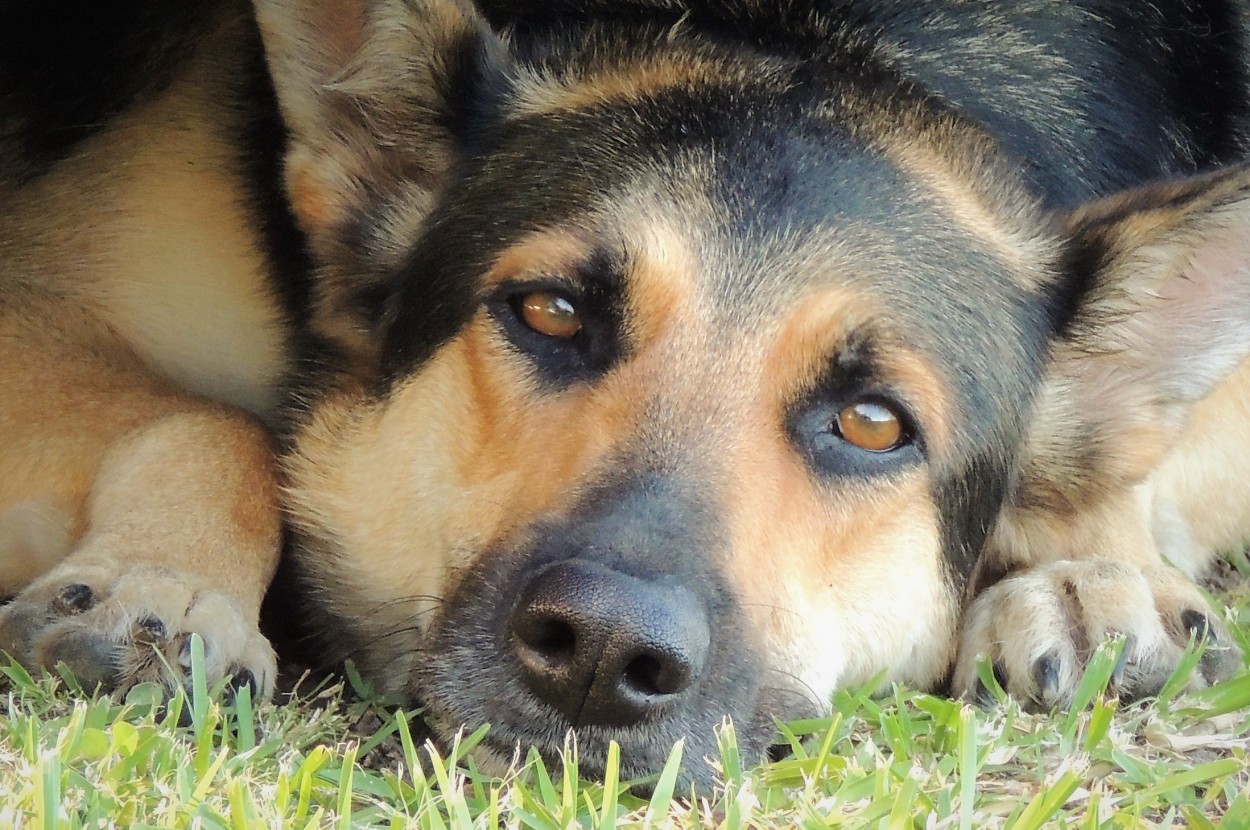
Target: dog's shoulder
x,y
68,68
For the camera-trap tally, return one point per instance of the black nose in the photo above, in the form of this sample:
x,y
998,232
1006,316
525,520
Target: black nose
x,y
605,648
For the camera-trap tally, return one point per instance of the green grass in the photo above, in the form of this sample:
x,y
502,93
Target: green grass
x,y
70,760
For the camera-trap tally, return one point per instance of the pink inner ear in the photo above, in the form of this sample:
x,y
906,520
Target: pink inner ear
x,y
337,32
340,25
310,42
1193,328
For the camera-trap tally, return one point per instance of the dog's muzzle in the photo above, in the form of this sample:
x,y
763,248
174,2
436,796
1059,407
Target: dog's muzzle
x,y
604,648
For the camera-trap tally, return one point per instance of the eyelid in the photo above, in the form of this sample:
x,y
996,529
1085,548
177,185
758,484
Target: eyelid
x,y
540,281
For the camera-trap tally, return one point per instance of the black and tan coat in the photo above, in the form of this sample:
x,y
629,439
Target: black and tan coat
x,y
624,367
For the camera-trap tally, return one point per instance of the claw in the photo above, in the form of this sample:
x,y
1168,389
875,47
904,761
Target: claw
x,y
1117,673
1046,676
1000,674
184,652
981,693
240,679
73,599
1198,624
150,630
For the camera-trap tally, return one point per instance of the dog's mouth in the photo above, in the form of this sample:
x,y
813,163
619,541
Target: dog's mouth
x,y
466,685
464,690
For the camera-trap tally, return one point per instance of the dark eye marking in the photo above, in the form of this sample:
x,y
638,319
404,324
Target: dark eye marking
x,y
570,328
854,434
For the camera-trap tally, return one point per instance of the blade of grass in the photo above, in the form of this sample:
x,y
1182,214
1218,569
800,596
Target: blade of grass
x,y
1043,806
346,773
968,766
611,783
662,797
1192,777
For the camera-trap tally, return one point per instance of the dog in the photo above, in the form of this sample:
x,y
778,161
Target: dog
x,y
624,367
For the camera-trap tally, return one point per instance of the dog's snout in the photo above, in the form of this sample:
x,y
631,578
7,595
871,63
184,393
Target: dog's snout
x,y
605,648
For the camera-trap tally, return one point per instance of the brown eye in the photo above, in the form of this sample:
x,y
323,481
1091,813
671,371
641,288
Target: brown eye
x,y
871,426
550,313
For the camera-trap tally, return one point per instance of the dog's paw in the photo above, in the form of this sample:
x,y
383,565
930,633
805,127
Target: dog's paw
x,y
1039,629
118,627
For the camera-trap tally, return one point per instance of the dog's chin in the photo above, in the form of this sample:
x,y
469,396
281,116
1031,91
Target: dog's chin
x,y
520,725
502,751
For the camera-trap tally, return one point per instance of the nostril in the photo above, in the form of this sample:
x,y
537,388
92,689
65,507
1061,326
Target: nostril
x,y
643,675
548,642
655,676
605,648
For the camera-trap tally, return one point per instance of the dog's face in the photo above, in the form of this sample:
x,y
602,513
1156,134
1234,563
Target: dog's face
x,y
686,381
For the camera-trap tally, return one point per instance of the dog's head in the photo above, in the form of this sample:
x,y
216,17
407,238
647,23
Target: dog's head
x,y
683,375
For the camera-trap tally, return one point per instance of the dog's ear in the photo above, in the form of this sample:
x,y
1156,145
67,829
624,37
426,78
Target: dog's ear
x,y
376,96
1162,316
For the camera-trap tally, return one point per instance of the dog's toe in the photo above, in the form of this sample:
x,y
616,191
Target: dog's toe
x,y
116,629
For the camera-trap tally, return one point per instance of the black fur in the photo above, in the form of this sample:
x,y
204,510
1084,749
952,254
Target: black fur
x,y
1157,89
68,67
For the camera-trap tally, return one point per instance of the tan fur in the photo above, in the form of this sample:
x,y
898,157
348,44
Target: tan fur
x,y
546,94
145,349
131,285
35,534
1200,494
846,543
144,228
152,481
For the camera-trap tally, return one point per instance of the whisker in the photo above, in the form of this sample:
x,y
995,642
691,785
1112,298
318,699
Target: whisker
x,y
770,607
335,658
802,688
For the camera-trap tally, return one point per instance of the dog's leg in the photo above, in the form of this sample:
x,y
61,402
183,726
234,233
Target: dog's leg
x,y
1040,626
136,516
1128,565
1134,477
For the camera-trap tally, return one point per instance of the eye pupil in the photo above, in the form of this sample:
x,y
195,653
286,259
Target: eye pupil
x,y
870,426
550,313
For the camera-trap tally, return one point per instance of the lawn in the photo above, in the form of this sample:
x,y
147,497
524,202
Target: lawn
x,y
905,760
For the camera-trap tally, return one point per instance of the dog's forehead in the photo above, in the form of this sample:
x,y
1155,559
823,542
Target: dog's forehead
x,y
779,204
781,185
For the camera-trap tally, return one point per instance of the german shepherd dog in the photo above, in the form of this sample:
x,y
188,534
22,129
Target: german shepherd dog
x,y
624,366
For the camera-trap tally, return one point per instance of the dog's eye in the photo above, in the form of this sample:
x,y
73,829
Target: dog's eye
x,y
568,334
550,313
871,426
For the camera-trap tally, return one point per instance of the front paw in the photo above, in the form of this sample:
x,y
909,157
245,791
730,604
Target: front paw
x,y
117,627
1039,628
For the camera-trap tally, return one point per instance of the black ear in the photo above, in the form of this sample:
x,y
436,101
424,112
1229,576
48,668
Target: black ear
x,y
376,96
1163,318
